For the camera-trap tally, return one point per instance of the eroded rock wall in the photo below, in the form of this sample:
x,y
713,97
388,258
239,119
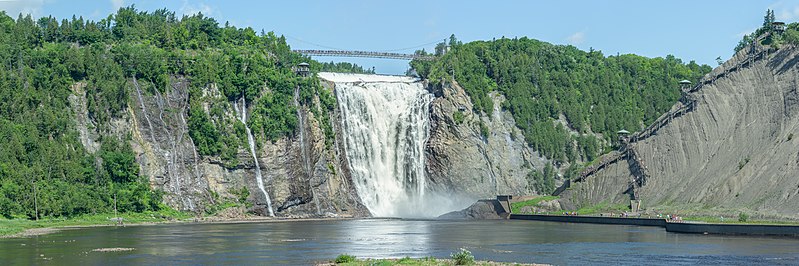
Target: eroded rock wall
x,y
461,159
737,151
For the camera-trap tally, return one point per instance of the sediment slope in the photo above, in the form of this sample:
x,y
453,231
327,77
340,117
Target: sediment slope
x,y
736,151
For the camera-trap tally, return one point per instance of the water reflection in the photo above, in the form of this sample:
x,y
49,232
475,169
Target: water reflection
x,y
293,243
382,239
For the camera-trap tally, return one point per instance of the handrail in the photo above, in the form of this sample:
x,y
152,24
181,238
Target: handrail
x,y
660,122
386,55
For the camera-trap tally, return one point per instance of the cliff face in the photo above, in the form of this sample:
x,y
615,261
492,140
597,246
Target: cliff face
x,y
736,151
461,159
302,175
156,126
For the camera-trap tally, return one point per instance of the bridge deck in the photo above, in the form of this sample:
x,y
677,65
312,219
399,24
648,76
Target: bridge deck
x,y
368,54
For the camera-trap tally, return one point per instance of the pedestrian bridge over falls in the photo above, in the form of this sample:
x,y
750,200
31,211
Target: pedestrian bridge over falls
x,y
368,54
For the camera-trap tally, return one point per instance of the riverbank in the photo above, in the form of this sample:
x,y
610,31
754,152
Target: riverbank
x,y
426,261
12,228
420,262
672,226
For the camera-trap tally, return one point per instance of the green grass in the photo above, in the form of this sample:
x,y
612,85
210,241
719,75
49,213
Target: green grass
x,y
517,206
601,207
734,220
14,226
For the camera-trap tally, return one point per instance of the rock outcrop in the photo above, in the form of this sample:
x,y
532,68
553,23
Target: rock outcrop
x,y
480,210
461,158
735,151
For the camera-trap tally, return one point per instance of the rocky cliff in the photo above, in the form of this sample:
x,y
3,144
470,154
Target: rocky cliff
x,y
471,153
735,151
300,175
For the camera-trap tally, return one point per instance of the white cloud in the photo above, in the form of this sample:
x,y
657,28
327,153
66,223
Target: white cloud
x,y
190,9
787,14
116,4
576,38
745,32
785,11
15,7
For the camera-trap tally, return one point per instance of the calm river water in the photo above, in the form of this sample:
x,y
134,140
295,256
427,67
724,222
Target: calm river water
x,y
304,243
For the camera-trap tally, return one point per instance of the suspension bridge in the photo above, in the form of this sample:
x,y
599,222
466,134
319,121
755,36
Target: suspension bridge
x,y
367,54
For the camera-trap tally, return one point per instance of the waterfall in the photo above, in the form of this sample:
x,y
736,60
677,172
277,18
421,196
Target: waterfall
x,y
303,149
170,155
385,124
144,111
251,141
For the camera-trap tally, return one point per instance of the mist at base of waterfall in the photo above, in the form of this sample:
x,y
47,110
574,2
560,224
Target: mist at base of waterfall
x,y
385,124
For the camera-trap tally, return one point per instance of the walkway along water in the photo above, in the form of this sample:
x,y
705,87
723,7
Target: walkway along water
x,y
674,227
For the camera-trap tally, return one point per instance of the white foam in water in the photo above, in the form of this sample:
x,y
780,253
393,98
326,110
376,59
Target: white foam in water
x,y
386,125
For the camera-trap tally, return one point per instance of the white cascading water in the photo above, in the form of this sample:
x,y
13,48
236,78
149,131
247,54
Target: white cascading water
x,y
251,141
385,124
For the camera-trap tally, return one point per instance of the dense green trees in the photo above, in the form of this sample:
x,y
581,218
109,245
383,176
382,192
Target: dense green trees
x,y
41,157
344,67
548,86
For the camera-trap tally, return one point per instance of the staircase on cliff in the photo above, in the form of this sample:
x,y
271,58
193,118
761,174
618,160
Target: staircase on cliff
x,y
687,103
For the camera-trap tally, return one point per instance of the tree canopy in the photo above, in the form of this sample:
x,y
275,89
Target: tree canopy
x,y
43,60
543,83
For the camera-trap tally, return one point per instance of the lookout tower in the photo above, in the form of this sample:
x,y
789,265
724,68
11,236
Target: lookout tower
x,y
778,26
303,69
685,84
623,135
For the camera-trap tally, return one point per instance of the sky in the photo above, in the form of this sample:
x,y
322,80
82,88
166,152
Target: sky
x,y
689,30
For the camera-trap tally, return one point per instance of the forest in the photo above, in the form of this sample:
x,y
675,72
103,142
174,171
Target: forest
x,y
44,169
569,103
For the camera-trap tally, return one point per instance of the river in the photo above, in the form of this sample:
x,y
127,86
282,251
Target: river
x,y
307,242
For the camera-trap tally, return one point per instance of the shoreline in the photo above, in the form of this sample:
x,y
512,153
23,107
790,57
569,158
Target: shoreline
x,y
37,231
689,227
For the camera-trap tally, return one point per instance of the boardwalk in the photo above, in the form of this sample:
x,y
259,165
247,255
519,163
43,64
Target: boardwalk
x,y
384,55
686,104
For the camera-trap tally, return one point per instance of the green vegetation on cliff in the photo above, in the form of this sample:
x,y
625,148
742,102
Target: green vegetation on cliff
x,y
46,171
544,83
767,34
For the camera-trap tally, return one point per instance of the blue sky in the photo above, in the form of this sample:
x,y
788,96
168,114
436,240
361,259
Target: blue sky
x,y
690,30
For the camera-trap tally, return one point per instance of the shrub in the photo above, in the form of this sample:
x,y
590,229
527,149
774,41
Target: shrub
x,y
743,217
462,257
345,258
742,163
458,117
405,260
241,194
484,131
790,137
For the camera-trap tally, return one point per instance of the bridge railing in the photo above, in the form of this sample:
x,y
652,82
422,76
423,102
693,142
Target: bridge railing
x,y
369,54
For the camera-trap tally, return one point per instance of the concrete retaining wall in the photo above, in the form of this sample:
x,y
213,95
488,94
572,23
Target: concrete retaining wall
x,y
682,227
591,219
733,229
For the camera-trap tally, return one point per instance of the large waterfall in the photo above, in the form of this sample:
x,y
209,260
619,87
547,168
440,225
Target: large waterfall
x,y
385,124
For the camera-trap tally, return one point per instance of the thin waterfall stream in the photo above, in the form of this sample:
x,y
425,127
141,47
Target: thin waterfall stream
x,y
251,141
303,149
